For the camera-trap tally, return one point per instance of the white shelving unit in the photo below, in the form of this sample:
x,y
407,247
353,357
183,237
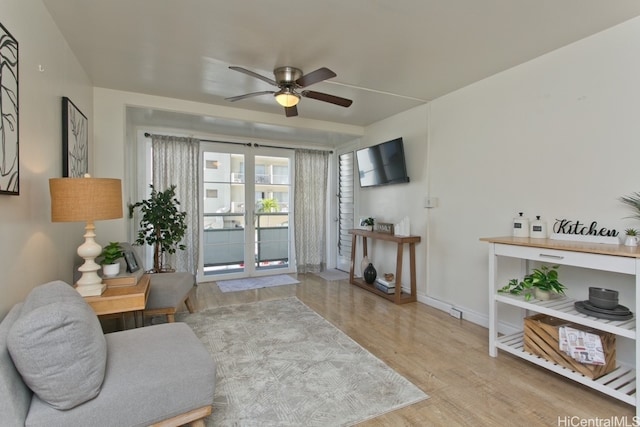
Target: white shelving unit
x,y
620,383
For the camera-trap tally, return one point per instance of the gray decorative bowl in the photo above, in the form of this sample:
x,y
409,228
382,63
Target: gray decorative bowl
x,y
603,298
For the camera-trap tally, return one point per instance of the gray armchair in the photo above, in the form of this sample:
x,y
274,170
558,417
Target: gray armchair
x,y
57,368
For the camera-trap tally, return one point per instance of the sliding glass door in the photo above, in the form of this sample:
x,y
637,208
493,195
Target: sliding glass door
x,y
245,211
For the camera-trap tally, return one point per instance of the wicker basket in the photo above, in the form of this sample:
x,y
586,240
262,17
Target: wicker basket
x,y
541,339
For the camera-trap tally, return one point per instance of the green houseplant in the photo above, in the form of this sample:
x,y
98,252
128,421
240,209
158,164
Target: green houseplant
x,y
369,222
633,201
162,225
631,238
543,279
268,205
109,259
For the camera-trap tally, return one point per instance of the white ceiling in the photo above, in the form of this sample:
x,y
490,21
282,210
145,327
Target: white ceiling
x,y
389,55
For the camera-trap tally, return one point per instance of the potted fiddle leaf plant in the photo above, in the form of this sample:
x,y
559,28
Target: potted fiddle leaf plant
x,y
109,259
162,225
542,283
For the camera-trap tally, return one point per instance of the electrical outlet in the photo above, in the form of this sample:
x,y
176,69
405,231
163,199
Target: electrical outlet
x,y
454,312
430,202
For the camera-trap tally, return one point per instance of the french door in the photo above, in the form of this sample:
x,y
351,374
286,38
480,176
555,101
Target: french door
x,y
246,211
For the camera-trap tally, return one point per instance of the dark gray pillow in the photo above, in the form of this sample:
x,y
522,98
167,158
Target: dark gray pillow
x,y
58,346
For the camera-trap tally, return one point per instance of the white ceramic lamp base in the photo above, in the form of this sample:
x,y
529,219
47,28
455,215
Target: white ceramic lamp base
x,y
90,284
91,290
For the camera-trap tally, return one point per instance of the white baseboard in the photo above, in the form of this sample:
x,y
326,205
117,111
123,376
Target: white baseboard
x,y
467,314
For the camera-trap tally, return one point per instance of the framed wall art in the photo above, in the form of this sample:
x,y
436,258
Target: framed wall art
x,y
9,164
75,140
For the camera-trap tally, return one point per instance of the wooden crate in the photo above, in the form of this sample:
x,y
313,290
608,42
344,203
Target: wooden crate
x,y
541,339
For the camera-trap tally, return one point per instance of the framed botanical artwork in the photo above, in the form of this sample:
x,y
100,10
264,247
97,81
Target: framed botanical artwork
x,y
9,165
75,140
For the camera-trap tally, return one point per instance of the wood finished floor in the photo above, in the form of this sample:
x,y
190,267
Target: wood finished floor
x,y
447,358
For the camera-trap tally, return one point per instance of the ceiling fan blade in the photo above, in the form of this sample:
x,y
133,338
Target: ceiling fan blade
x,y
252,74
315,76
249,95
291,111
343,102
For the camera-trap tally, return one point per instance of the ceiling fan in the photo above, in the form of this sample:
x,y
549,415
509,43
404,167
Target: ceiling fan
x,y
289,80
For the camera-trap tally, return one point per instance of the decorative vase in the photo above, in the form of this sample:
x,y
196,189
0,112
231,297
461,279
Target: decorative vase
x,y
364,264
631,241
370,274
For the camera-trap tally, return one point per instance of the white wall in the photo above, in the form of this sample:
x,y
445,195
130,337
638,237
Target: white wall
x,y
392,203
552,137
34,250
556,137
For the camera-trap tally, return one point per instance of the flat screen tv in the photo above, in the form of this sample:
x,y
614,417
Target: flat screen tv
x,y
382,164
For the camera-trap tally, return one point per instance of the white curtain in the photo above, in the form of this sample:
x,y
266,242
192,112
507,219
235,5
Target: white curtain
x,y
311,173
175,162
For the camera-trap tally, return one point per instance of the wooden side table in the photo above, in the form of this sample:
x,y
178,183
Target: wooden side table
x,y
123,299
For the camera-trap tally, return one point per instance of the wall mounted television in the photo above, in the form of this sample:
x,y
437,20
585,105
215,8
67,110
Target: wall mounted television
x,y
382,164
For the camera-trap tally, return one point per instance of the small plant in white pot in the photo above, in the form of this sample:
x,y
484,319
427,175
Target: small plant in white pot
x,y
369,222
632,237
109,259
541,282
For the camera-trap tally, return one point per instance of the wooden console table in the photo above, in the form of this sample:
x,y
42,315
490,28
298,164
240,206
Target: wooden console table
x,y
398,297
122,299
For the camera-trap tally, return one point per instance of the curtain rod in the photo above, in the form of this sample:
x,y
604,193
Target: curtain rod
x,y
290,148
247,144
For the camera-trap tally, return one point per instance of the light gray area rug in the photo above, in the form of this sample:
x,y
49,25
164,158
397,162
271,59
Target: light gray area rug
x,y
255,283
333,275
281,364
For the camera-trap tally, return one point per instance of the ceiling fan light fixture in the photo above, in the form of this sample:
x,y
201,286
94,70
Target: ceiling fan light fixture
x,y
288,80
287,97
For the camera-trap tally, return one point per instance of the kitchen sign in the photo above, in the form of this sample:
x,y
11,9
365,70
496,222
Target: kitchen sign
x,y
564,229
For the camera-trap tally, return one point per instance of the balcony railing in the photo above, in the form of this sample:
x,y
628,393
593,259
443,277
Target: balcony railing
x,y
239,177
224,240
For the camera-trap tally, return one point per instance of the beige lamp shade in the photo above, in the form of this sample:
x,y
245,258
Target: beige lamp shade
x,y
85,199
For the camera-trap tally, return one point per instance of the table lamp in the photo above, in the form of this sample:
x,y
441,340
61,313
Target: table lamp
x,y
86,200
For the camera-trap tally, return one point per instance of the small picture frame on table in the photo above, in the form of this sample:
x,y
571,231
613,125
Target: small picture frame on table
x,y
130,259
